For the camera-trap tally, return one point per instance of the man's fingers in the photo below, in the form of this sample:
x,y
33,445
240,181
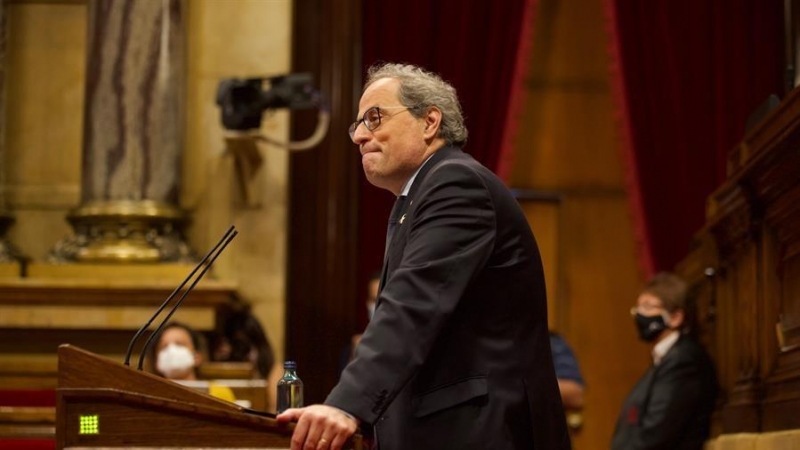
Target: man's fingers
x,y
338,441
325,442
319,427
341,433
290,415
300,433
316,427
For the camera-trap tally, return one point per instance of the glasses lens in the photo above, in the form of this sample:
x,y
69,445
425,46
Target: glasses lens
x,y
372,118
352,130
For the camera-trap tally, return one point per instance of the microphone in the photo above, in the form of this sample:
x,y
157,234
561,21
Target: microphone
x,y
224,241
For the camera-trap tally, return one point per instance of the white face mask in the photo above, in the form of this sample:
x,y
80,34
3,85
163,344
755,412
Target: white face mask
x,y
174,361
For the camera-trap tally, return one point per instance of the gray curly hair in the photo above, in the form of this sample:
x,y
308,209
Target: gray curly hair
x,y
420,90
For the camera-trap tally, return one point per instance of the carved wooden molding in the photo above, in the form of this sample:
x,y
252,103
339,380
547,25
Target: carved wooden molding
x,y
741,412
772,132
732,221
753,220
764,184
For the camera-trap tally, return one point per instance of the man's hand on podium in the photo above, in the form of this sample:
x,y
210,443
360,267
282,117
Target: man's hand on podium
x,y
319,427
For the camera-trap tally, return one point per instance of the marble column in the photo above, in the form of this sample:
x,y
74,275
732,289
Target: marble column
x,y
7,251
133,135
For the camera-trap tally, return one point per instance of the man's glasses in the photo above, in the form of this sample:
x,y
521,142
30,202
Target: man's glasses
x,y
371,119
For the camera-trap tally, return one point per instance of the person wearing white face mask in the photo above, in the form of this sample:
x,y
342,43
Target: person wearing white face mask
x,y
671,405
177,357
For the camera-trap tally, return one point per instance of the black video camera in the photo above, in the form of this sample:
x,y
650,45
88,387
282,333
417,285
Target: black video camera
x,y
243,101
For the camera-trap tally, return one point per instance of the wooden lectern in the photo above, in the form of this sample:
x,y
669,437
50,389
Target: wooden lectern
x,y
104,404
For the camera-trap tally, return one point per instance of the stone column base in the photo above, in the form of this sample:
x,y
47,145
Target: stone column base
x,y
127,231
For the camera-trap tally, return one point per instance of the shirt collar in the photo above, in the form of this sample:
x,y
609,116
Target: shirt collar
x,y
407,186
661,349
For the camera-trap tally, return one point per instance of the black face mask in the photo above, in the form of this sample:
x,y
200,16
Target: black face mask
x,y
649,327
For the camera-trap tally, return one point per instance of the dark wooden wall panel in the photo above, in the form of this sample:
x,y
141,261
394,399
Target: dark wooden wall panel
x,y
322,298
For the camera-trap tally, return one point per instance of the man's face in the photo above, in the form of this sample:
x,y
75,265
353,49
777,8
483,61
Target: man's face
x,y
650,306
391,153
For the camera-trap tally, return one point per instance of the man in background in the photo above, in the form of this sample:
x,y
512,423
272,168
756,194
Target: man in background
x,y
670,407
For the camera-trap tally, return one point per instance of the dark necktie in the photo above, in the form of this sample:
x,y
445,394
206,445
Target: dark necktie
x,y
394,218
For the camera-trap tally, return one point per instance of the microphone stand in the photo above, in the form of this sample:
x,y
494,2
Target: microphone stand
x,y
226,238
149,341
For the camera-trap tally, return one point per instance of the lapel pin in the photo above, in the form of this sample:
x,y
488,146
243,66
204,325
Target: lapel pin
x,y
402,219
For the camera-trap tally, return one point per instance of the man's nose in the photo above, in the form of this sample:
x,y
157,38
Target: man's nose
x,y
361,134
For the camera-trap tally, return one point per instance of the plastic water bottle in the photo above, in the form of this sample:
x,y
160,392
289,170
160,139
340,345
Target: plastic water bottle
x,y
290,388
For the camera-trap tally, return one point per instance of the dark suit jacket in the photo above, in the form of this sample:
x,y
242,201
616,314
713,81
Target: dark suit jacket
x,y
457,355
671,405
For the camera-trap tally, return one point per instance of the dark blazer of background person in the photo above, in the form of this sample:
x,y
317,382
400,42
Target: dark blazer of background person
x,y
457,354
670,407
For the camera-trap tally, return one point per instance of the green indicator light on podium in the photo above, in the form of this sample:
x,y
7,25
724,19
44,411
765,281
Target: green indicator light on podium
x,y
90,424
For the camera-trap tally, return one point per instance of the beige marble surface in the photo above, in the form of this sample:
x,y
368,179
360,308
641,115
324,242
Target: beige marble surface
x,y
45,120
9,271
241,38
776,440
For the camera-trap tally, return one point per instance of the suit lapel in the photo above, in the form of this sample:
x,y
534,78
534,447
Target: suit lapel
x,y
656,371
399,236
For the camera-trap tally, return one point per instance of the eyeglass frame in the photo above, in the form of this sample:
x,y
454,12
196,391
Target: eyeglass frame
x,y
354,126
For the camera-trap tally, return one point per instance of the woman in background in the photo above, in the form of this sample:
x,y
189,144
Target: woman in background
x,y
177,356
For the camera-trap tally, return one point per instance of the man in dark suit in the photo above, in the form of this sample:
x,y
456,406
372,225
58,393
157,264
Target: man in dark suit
x,y
671,405
457,354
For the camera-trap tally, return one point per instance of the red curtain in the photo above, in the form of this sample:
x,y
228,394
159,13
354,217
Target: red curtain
x,y
686,75
480,48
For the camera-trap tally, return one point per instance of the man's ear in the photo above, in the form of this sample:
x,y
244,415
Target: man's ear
x,y
676,319
433,121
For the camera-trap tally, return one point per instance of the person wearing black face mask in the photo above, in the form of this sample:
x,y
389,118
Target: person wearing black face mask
x,y
670,407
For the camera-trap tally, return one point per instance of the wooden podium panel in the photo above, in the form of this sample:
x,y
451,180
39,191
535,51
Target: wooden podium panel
x,y
122,419
104,404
